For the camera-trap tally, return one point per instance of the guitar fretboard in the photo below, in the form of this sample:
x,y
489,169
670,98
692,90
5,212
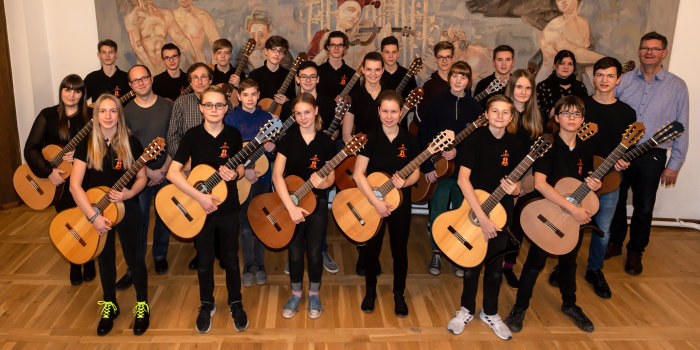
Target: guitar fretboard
x,y
323,172
250,163
459,138
283,89
514,176
72,144
208,185
489,89
351,83
123,180
599,173
335,123
387,186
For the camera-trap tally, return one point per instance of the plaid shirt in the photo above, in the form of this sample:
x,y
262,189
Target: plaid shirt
x,y
186,115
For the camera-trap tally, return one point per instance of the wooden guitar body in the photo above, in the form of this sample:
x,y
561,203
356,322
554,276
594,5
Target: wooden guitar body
x,y
344,172
610,181
243,185
549,226
355,215
457,232
265,104
181,213
269,218
75,237
422,190
39,192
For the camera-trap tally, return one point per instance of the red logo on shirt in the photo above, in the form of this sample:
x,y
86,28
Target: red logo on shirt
x,y
224,152
116,91
505,157
342,80
402,151
117,165
580,166
314,160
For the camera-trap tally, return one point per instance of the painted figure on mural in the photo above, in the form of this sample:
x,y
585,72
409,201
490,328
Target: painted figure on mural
x,y
197,24
478,57
259,26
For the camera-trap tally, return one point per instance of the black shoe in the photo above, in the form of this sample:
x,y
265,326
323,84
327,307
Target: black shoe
x,y
612,250
600,286
125,282
206,311
368,302
514,321
240,319
400,307
142,313
161,266
194,263
511,279
579,318
633,265
76,275
360,265
89,271
110,311
554,277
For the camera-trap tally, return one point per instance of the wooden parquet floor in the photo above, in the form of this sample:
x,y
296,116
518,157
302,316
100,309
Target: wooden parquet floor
x,y
39,309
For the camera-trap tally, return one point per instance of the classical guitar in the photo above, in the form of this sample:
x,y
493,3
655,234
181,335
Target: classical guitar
x,y
351,83
667,133
496,85
122,99
366,30
269,104
341,109
353,212
413,69
248,49
412,100
422,190
182,214
552,227
457,232
73,234
268,216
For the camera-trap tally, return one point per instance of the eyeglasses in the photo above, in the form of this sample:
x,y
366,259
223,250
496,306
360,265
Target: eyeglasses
x,y
278,51
140,80
336,45
173,57
308,77
443,58
571,115
208,106
652,49
200,78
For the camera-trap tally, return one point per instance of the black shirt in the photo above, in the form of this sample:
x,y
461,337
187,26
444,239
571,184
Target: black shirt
x,y
326,108
333,81
269,82
483,84
612,120
365,110
560,161
302,159
98,83
203,148
221,77
392,81
166,86
390,156
549,92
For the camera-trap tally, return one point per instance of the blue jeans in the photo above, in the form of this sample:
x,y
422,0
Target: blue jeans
x,y
604,217
161,235
253,251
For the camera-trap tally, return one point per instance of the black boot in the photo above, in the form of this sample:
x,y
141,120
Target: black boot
x,y
110,311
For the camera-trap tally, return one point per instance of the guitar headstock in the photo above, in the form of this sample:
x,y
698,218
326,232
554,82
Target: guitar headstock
x,y
358,71
343,106
481,121
442,141
497,84
301,57
269,130
153,149
532,68
249,47
226,88
541,146
355,144
586,131
628,66
633,133
669,132
415,67
406,31
413,98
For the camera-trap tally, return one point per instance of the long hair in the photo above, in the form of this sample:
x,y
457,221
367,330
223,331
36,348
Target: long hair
x,y
513,125
531,118
97,149
76,83
309,98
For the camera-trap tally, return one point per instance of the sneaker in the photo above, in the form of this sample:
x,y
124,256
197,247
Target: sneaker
x,y
142,312
511,279
76,275
315,308
329,264
261,275
612,250
206,311
161,266
497,325
600,286
457,323
368,302
579,318
514,321
435,264
286,268
400,307
89,271
291,307
633,265
194,263
554,277
125,282
247,276
240,319
457,271
110,311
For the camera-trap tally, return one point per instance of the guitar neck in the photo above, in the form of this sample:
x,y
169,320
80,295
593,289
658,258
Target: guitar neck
x,y
232,163
58,159
404,82
335,123
127,97
514,176
459,138
640,149
241,65
599,173
283,89
302,191
350,84
260,151
406,171
123,180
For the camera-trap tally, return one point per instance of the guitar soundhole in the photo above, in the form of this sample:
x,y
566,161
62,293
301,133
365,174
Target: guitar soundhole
x,y
473,219
347,171
379,195
201,187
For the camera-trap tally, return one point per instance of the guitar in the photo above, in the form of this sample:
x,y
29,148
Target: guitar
x,y
412,100
496,85
73,234
341,109
552,227
365,32
667,133
422,190
248,49
353,212
351,82
182,214
413,69
123,99
457,232
269,104
268,216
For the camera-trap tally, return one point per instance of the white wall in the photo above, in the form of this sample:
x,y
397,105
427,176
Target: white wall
x,y
63,35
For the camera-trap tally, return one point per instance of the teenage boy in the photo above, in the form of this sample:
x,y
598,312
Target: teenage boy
x,y
394,72
503,61
334,73
223,70
109,78
173,81
437,82
271,75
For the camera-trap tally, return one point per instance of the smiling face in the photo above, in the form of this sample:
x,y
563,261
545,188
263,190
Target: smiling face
x,y
213,107
108,116
564,68
171,59
651,52
522,90
389,113
305,115
140,81
372,71
606,79
71,97
444,60
499,114
307,79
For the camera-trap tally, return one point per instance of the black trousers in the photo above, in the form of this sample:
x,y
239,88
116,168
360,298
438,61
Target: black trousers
x,y
308,238
225,227
492,278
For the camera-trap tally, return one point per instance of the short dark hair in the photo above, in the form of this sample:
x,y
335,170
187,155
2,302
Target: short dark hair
x,y
169,46
194,66
107,42
336,34
390,40
138,65
567,102
307,64
654,36
276,41
390,95
607,62
503,48
372,56
443,45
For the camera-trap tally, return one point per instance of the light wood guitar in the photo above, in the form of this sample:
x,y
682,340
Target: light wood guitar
x,y
269,104
413,69
73,234
353,212
457,232
268,216
182,214
552,227
496,85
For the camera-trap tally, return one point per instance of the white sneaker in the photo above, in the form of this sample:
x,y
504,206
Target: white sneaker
x,y
495,322
456,325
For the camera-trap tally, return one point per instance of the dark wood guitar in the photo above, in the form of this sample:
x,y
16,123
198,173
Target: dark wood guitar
x,y
457,232
182,214
268,216
413,69
269,104
341,109
552,227
365,32
73,234
353,212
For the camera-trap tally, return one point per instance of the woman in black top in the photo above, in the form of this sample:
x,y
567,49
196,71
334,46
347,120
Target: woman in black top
x,y
362,116
57,125
100,160
388,149
302,152
562,82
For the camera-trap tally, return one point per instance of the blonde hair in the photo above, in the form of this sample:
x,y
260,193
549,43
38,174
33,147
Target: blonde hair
x,y
97,148
532,120
513,125
309,98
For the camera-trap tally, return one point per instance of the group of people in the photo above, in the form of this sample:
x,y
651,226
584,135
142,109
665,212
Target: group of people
x,y
203,127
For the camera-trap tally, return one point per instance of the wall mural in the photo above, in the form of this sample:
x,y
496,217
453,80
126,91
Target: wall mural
x,y
536,29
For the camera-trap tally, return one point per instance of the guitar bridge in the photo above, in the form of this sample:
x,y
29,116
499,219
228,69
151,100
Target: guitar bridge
x,y
271,219
459,237
182,209
551,226
356,214
34,185
75,235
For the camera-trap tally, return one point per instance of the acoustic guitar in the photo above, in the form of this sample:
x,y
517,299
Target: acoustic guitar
x,y
73,234
269,104
422,190
341,109
182,214
413,69
496,85
122,99
552,227
268,216
457,232
351,83
353,212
